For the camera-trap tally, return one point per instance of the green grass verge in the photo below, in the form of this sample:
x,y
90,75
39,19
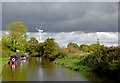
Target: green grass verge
x,y
72,63
2,62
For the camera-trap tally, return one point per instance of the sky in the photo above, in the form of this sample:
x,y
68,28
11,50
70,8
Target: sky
x,y
78,22
63,38
63,16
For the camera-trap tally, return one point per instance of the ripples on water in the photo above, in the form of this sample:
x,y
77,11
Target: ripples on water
x,y
36,69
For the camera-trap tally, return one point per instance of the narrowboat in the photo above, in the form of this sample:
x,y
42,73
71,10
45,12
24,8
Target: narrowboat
x,y
15,59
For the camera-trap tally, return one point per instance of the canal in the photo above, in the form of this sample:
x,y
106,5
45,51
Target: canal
x,y
36,69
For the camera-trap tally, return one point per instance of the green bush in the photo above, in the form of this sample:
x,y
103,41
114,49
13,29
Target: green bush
x,y
104,60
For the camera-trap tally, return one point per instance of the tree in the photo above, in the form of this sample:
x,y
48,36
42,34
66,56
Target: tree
x,y
81,46
16,39
93,47
84,48
72,45
40,48
33,41
51,49
33,45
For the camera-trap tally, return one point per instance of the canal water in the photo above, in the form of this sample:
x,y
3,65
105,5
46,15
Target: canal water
x,y
36,69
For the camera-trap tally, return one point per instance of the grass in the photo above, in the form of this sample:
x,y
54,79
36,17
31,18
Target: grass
x,y
72,63
2,62
105,62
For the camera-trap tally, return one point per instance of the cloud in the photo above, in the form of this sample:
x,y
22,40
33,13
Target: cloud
x,y
63,17
63,38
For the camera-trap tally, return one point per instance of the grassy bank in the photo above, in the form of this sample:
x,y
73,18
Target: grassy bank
x,y
4,59
72,63
103,62
2,62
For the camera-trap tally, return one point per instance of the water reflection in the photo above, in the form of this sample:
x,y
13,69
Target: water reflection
x,y
23,61
39,59
15,72
13,66
36,69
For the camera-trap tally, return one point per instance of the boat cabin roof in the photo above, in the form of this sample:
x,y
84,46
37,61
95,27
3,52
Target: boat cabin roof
x,y
15,56
23,55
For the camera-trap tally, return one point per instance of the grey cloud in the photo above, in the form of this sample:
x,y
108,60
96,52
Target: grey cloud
x,y
63,17
63,38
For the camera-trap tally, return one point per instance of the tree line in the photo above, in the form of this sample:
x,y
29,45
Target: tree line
x,y
16,39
